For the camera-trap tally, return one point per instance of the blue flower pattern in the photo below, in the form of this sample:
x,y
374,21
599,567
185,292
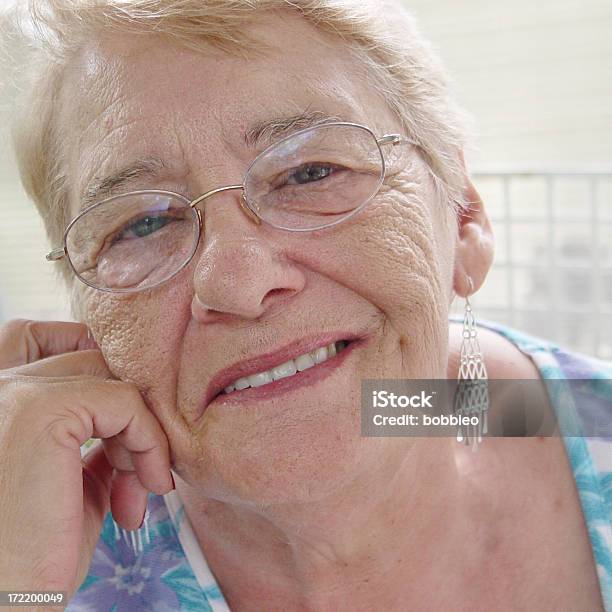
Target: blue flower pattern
x,y
160,578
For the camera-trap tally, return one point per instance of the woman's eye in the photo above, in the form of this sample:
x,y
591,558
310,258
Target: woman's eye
x,y
144,227
309,173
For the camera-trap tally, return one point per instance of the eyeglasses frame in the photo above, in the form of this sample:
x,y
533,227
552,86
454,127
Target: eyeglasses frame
x,y
60,253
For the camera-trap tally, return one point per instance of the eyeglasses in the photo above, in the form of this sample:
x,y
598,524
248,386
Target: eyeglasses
x,y
313,179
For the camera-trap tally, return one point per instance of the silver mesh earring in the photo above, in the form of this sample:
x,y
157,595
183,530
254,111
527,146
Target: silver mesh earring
x,y
472,396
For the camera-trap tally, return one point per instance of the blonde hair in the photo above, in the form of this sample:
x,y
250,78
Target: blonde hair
x,y
383,35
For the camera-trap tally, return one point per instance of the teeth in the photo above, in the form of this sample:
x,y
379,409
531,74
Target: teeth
x,y
320,355
303,362
257,380
285,369
241,383
289,368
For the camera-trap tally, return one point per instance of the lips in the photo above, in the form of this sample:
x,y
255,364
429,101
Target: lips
x,y
269,360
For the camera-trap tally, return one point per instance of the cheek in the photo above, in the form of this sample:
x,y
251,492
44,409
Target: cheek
x,y
139,335
398,255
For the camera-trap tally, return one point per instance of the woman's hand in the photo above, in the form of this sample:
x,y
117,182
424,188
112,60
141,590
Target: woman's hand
x,y
55,393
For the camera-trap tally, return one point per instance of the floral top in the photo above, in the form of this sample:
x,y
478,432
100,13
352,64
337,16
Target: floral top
x,y
161,568
169,573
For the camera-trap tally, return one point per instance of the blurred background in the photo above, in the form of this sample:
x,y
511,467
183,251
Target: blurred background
x,y
537,79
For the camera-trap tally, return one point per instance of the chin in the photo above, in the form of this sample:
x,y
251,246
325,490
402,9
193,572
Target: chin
x,y
293,461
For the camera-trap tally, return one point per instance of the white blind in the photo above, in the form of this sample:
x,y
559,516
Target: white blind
x,y
28,285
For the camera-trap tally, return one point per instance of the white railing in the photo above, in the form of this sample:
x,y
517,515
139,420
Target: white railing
x,y
553,270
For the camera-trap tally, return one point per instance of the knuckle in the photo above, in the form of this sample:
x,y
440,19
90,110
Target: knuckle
x,y
11,329
14,325
130,391
69,429
27,404
135,395
98,366
11,335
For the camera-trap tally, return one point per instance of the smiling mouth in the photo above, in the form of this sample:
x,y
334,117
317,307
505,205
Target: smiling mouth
x,y
272,375
287,369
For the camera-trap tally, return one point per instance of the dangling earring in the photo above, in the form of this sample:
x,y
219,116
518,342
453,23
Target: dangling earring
x,y
472,396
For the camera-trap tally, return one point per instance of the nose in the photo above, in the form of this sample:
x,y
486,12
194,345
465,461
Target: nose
x,y
240,270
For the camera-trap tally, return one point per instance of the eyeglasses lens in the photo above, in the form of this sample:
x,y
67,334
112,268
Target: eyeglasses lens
x,y
313,179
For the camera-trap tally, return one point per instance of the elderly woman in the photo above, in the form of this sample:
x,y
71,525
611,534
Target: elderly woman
x,y
257,205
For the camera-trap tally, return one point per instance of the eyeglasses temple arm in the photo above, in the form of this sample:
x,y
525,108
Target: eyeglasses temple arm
x,y
395,139
399,157
56,254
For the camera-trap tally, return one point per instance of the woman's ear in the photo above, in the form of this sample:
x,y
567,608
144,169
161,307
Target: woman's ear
x,y
475,244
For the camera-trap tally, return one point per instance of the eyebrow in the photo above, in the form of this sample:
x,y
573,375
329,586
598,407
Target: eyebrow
x,y
151,168
274,129
145,168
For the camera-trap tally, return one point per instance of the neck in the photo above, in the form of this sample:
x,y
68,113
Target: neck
x,y
329,552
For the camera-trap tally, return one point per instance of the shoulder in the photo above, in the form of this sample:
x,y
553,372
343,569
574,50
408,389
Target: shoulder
x,y
503,358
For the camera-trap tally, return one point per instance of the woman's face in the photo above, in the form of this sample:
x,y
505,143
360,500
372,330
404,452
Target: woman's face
x,y
384,277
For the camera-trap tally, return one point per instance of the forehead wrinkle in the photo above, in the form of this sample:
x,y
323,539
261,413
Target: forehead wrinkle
x,y
99,71
97,75
104,170
88,177
85,120
345,91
